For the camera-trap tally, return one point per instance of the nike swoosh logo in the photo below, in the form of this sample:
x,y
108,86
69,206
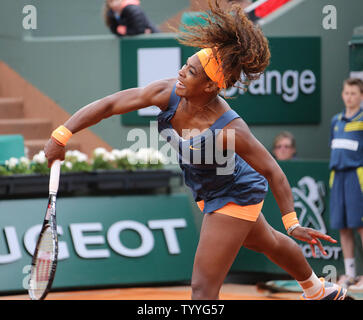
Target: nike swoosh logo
x,y
192,148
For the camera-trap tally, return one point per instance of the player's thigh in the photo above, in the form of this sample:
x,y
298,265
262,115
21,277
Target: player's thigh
x,y
263,238
221,237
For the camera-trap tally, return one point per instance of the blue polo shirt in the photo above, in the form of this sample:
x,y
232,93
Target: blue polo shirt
x,y
346,141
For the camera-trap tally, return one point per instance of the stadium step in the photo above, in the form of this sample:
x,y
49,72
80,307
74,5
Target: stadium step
x,y
35,132
29,128
33,146
11,108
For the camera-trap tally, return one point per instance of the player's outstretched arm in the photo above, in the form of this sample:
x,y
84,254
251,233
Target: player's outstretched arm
x,y
157,93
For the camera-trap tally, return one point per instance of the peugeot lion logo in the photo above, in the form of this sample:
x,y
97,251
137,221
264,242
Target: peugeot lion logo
x,y
309,202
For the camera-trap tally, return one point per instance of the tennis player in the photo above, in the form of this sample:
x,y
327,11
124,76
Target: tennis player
x,y
230,195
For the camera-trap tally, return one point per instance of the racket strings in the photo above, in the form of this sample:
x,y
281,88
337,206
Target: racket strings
x,y
43,264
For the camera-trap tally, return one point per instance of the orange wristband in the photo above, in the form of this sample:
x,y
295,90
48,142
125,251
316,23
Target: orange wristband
x,y
61,135
290,219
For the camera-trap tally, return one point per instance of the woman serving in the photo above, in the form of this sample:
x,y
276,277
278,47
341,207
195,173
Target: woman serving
x,y
230,194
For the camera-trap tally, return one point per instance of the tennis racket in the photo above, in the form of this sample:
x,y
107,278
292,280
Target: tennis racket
x,y
44,260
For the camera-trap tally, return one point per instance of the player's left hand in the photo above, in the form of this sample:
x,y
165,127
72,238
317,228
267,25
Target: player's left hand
x,y
312,237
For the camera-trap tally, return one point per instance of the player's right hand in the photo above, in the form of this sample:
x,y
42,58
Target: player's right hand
x,y
54,151
312,237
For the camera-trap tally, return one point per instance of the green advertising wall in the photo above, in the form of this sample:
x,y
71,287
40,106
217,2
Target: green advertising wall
x,y
103,241
287,93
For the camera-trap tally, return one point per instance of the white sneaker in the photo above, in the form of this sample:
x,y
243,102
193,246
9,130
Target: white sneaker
x,y
328,291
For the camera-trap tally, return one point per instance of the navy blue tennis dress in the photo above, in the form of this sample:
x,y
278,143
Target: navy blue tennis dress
x,y
215,176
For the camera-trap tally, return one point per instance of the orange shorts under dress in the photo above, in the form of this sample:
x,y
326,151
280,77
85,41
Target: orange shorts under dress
x,y
249,212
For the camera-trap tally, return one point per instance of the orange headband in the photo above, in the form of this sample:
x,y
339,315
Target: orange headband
x,y
211,66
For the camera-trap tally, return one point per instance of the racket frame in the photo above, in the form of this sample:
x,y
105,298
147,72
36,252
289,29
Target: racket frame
x,y
49,222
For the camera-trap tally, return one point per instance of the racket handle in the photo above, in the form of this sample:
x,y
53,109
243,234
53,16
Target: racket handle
x,y
54,177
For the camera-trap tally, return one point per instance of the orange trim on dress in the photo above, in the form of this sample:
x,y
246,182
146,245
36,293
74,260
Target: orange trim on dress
x,y
249,212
